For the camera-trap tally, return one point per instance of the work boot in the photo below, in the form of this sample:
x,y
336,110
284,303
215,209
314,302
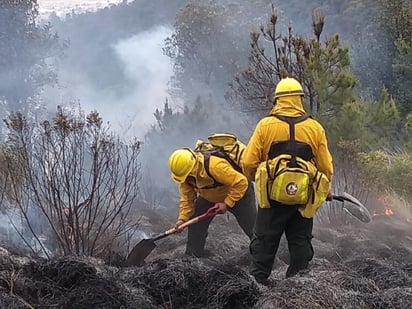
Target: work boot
x,y
293,272
262,280
199,254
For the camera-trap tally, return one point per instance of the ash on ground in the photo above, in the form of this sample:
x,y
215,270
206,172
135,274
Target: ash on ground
x,y
355,266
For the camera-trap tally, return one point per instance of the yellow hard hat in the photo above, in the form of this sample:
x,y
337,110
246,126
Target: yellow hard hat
x,y
288,86
181,163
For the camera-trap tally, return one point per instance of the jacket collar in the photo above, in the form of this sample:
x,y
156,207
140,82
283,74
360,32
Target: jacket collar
x,y
290,106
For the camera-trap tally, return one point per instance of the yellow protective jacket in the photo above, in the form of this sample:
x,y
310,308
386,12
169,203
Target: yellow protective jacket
x,y
234,185
271,129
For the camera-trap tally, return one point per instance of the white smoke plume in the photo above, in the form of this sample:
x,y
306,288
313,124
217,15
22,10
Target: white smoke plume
x,y
147,72
150,71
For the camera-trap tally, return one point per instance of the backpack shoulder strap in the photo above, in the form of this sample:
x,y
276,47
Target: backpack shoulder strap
x,y
292,121
206,159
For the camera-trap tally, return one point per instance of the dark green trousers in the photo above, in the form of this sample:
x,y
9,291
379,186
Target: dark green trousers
x,y
244,211
270,225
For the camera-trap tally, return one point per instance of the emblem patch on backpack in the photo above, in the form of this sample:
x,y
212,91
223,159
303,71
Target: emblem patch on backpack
x,y
289,179
291,188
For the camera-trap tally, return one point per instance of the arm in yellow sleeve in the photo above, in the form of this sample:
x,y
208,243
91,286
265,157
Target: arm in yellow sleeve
x,y
252,156
323,156
187,201
223,172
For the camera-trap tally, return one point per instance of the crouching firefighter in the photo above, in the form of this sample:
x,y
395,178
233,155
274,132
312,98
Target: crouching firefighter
x,y
204,181
289,160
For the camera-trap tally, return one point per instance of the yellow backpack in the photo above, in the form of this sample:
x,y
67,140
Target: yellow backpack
x,y
290,179
223,145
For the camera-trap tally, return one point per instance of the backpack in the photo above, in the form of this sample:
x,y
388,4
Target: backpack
x,y
288,175
223,145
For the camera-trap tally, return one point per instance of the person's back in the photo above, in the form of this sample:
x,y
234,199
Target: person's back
x,y
271,129
272,137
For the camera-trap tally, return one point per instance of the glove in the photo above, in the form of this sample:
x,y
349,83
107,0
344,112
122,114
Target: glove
x,y
329,197
177,224
222,208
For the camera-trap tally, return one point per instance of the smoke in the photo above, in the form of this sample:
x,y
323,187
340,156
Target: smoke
x,y
128,105
5,224
125,80
147,68
10,225
15,232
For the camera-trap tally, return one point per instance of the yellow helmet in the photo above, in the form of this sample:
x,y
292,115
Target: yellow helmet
x,y
181,163
288,86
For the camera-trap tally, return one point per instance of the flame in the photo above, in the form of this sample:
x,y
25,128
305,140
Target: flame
x,y
385,201
388,211
69,231
69,226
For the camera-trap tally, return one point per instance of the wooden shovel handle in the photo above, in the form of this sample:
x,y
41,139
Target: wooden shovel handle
x,y
211,212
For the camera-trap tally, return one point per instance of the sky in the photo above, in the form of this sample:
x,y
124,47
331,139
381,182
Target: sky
x,y
61,7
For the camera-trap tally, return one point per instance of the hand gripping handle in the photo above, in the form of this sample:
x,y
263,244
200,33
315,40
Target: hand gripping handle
x,y
211,212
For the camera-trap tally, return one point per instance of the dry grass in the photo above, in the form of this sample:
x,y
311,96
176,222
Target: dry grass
x,y
356,266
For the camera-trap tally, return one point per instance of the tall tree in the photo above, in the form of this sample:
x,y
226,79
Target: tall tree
x,y
403,74
395,19
26,53
374,123
206,48
322,68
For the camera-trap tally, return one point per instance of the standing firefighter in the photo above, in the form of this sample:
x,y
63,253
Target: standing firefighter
x,y
205,181
288,158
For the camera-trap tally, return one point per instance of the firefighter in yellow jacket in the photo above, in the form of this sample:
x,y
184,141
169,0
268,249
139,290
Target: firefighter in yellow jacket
x,y
271,135
221,185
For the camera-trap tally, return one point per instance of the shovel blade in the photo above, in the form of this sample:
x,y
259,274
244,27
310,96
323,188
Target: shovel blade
x,y
140,252
356,209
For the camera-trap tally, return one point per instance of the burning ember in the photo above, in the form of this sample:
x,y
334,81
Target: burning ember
x,y
386,212
389,206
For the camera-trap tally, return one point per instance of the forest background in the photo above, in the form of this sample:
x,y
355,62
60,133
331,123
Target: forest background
x,y
72,177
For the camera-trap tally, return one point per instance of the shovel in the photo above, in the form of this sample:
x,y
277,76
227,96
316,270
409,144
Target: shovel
x,y
354,208
144,247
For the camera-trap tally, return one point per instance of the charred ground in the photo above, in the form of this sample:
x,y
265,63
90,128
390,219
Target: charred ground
x,y
355,266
